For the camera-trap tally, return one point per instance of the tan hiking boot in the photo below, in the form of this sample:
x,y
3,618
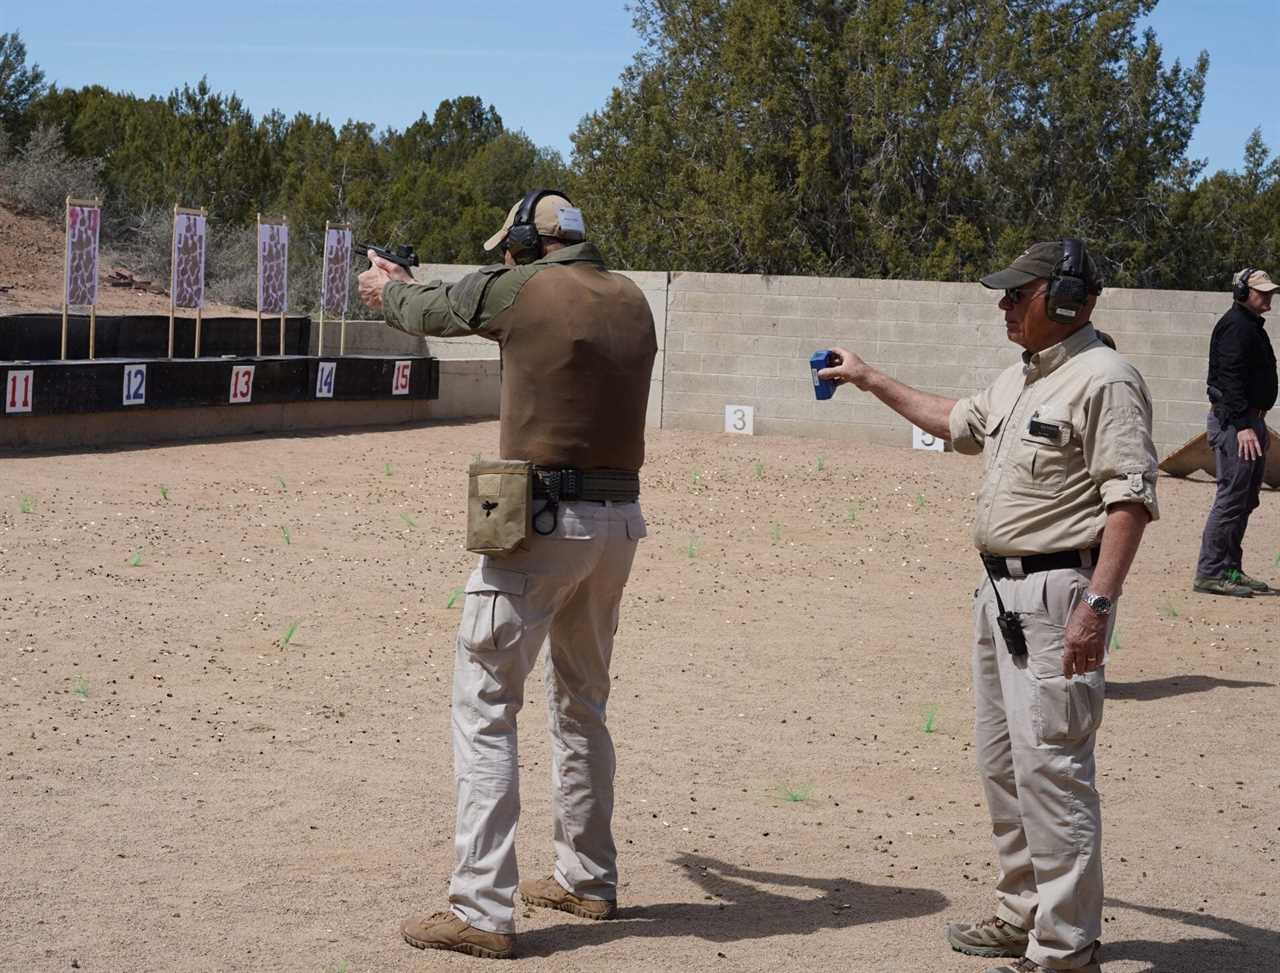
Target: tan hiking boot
x,y
549,894
987,937
1221,586
444,930
1025,965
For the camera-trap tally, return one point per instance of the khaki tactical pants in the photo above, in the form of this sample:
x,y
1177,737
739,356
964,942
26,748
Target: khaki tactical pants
x,y
1035,732
564,592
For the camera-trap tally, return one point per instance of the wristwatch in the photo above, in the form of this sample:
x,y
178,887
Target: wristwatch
x,y
1100,604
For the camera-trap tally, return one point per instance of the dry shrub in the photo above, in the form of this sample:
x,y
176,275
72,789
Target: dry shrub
x,y
38,177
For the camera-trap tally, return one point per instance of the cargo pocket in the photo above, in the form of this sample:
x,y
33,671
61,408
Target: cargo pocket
x,y
1067,710
491,616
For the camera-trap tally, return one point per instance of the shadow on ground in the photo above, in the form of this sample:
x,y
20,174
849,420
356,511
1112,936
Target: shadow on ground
x,y
1149,689
1239,947
739,904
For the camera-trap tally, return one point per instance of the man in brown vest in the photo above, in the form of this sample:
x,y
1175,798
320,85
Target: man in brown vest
x,y
578,345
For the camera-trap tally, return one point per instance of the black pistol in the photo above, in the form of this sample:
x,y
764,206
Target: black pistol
x,y
398,254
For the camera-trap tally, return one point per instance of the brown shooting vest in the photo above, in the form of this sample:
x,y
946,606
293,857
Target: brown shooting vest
x,y
578,347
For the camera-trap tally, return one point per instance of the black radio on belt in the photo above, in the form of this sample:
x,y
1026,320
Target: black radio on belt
x,y
1015,639
1010,623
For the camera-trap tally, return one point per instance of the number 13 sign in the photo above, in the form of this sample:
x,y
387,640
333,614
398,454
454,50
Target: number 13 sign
x,y
242,383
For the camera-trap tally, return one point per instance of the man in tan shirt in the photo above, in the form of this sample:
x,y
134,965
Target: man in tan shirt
x,y
578,345
1068,489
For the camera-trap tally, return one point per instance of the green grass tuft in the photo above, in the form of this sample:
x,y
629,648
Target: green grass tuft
x,y
408,520
1169,611
796,794
1115,641
135,559
758,467
821,464
387,469
930,719
288,537
280,480
775,531
697,476
27,505
453,596
694,544
81,687
920,501
289,633
164,493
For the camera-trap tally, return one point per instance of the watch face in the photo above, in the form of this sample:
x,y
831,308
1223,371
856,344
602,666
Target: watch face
x,y
1099,603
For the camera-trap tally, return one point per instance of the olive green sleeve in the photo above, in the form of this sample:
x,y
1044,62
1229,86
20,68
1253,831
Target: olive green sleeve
x,y
443,310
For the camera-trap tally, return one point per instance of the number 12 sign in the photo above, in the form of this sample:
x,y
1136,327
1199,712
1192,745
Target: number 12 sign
x,y
135,384
17,391
400,380
242,383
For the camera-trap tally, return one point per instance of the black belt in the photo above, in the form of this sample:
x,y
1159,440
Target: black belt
x,y
567,484
1020,567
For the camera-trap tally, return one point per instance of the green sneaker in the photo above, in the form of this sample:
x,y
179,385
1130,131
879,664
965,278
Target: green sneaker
x,y
1253,584
1221,586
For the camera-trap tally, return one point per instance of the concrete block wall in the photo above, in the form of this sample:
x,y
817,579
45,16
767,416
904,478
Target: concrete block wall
x,y
746,340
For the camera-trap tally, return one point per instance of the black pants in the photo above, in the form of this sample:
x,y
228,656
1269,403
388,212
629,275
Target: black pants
x,y
1239,482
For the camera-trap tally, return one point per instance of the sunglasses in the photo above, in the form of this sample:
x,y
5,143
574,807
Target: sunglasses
x,y
1014,295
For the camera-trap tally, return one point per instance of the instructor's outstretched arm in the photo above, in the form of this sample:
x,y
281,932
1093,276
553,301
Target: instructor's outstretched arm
x,y
930,412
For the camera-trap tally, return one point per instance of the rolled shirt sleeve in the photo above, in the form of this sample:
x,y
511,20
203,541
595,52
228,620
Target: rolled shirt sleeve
x,y
1118,447
968,421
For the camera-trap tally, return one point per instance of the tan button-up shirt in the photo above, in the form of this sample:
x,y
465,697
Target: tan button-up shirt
x,y
1066,433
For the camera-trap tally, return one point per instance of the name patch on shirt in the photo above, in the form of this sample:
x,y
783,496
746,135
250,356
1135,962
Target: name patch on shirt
x,y
1053,432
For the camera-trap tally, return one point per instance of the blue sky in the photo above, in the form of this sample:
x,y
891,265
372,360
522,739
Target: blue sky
x,y
542,66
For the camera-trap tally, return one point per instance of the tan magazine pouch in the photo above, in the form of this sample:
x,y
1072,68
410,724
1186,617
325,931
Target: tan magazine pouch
x,y
499,492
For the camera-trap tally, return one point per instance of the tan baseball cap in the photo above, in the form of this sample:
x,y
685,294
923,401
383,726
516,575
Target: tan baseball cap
x,y
546,217
1259,280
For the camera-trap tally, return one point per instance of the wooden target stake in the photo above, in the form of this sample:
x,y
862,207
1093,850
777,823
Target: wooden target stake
x,y
284,220
204,215
66,271
173,272
257,242
324,282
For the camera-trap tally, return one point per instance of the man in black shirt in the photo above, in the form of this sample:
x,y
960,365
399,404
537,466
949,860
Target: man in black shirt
x,y
1242,388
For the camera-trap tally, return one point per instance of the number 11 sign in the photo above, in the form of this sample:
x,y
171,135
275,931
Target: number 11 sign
x,y
17,391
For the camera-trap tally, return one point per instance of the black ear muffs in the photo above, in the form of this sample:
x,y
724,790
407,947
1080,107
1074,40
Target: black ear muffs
x,y
1240,289
523,242
1069,286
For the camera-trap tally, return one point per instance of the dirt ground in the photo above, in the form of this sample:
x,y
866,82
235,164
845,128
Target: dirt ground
x,y
791,708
